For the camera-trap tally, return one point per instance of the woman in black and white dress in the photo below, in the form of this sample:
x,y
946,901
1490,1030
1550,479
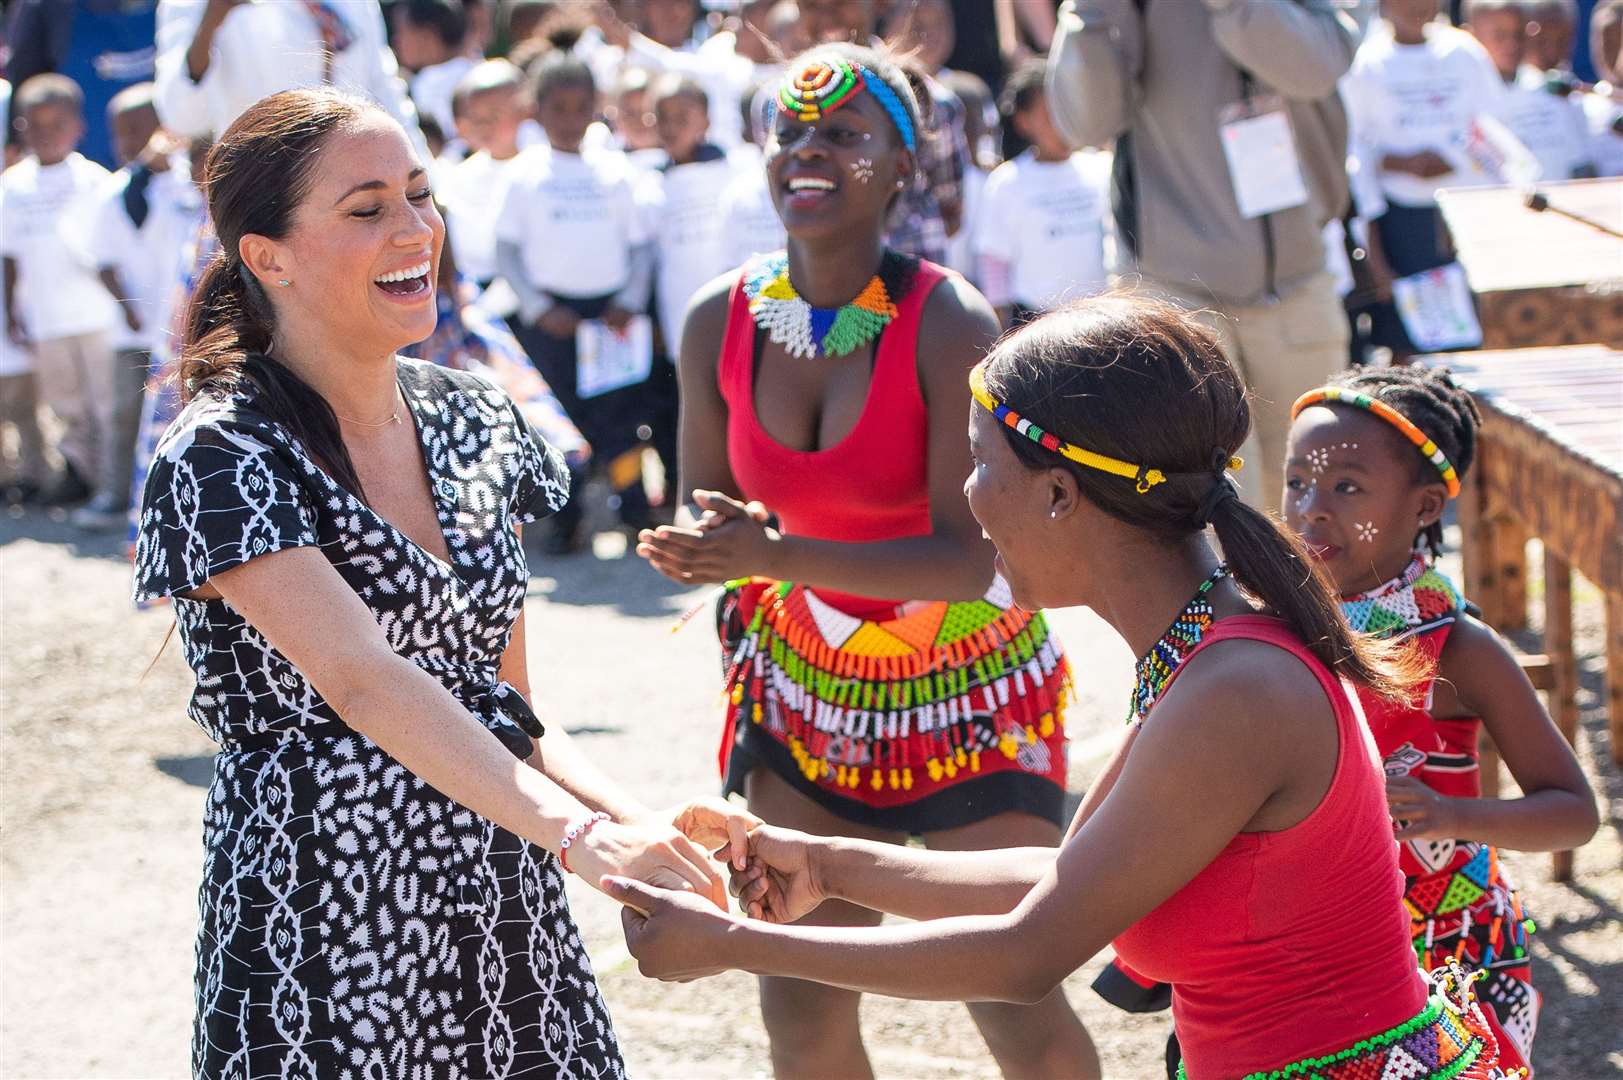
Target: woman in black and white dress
x,y
381,895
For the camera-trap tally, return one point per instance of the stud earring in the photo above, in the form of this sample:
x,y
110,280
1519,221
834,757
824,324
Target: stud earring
x,y
284,282
1054,514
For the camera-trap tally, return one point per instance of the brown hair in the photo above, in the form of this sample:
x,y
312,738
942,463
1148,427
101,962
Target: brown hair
x,y
257,175
1145,382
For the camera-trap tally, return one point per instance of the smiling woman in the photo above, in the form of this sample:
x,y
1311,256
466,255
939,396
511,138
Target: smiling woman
x,y
389,823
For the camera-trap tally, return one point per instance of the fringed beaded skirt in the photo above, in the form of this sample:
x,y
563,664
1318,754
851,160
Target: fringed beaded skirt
x,y
1450,1039
916,717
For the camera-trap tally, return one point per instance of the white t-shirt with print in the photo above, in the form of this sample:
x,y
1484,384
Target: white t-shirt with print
x,y
575,216
59,294
147,257
752,223
1046,219
1404,99
473,192
682,213
1552,127
1603,115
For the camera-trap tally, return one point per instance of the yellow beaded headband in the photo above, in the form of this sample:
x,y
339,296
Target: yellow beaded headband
x,y
1145,478
1343,395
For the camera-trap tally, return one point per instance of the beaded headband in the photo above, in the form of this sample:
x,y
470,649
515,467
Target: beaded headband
x,y
821,86
1346,396
1145,478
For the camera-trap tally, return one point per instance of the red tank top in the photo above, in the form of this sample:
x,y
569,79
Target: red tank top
x,y
872,484
1294,943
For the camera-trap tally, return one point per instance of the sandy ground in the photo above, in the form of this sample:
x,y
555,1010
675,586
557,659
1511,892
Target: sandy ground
x,y
101,785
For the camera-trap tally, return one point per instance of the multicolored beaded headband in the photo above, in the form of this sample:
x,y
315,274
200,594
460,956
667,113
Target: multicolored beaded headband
x,y
1347,396
823,85
1145,478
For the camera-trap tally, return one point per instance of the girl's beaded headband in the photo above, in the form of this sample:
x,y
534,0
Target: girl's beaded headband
x,y
823,85
1144,478
1346,396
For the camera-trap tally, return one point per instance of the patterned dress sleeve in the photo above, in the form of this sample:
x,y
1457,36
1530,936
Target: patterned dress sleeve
x,y
220,492
542,488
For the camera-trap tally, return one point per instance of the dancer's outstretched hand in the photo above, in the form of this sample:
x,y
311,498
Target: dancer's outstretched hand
x,y
732,540
715,823
780,881
675,936
647,852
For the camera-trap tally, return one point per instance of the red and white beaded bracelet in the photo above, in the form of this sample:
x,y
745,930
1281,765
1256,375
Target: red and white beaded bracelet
x,y
575,830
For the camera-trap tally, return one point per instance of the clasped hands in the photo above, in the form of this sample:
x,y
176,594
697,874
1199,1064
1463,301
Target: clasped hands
x,y
677,936
730,539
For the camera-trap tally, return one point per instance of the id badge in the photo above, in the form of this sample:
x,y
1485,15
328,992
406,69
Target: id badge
x,y
1261,152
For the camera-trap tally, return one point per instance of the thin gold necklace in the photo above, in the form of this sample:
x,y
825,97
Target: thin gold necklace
x,y
394,417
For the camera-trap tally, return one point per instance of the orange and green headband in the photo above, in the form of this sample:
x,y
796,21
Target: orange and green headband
x,y
1342,395
827,83
1144,478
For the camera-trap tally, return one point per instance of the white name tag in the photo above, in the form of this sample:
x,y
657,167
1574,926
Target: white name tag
x,y
1261,153
1436,309
606,360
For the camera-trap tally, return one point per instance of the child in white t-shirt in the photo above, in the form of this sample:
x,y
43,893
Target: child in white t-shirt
x,y
571,244
752,223
1603,108
983,134
54,302
1040,233
133,229
489,113
1551,126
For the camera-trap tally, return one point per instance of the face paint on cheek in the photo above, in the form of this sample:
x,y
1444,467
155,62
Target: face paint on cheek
x,y
862,169
1367,532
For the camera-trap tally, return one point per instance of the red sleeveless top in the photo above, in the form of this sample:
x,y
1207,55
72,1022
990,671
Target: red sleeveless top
x,y
871,485
1294,943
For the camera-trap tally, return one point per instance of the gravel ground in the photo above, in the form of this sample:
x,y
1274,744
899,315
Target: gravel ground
x,y
101,785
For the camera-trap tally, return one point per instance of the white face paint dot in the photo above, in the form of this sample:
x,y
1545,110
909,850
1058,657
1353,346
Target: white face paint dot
x,y
1318,460
1367,532
862,169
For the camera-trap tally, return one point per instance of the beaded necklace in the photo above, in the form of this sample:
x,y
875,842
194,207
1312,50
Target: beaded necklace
x,y
1155,667
1417,600
812,331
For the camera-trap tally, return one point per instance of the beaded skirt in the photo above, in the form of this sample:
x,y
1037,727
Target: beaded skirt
x,y
1450,1039
930,716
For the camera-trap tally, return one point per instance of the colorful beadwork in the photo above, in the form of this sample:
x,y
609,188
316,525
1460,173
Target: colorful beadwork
x,y
1417,600
1155,668
825,84
942,690
812,331
1346,396
1449,1040
1145,478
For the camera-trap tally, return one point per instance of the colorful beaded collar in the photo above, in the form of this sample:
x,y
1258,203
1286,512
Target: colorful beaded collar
x,y
809,331
1156,667
1342,395
1419,599
827,83
1144,477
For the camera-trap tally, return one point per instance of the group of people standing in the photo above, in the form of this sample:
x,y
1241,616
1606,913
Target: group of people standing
x,y
389,820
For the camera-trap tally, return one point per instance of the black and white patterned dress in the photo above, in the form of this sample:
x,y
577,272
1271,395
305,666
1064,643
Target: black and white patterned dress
x,y
355,922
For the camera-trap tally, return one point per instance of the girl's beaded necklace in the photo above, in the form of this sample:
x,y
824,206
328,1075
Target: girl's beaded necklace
x,y
1155,667
809,331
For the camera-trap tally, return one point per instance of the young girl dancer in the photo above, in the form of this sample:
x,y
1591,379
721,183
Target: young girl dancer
x,y
1373,458
1240,838
844,414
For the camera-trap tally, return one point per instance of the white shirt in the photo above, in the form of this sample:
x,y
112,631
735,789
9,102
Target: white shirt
x,y
433,87
1046,219
265,46
472,193
575,216
752,223
1552,127
1605,142
682,214
1407,98
147,257
59,294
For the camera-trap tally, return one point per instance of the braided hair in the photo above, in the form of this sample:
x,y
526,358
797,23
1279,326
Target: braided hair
x,y
1432,401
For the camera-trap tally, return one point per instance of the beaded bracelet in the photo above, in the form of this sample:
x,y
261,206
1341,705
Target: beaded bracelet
x,y
575,831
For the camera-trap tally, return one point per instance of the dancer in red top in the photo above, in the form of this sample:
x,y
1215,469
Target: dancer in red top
x,y
1367,498
1240,838
879,681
